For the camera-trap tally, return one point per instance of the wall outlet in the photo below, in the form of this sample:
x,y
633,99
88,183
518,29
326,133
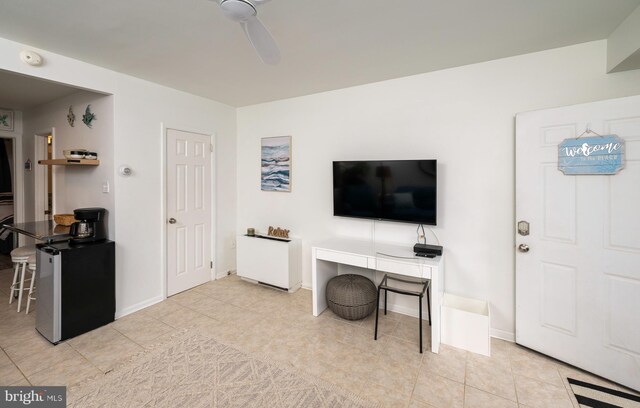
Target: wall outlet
x,y
105,187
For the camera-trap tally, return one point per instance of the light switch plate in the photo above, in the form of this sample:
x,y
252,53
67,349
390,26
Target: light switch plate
x,y
105,187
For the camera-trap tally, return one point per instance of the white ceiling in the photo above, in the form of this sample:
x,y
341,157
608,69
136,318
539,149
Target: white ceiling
x,y
325,44
21,93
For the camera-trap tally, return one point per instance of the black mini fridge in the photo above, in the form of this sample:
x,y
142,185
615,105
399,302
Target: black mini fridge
x,y
75,288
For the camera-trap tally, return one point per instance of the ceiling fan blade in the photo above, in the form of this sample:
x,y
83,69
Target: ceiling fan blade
x,y
261,40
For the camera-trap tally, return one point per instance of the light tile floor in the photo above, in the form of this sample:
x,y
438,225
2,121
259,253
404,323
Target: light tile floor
x,y
280,326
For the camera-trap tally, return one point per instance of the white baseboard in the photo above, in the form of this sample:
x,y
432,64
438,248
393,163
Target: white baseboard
x,y
138,306
295,288
503,335
307,287
227,273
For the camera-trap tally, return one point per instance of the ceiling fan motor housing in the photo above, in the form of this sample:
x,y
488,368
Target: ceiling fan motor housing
x,y
238,10
245,13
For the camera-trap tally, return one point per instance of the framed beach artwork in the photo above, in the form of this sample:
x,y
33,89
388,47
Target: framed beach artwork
x,y
6,120
275,168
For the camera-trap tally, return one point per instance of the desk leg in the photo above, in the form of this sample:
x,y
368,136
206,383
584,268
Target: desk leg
x,y
321,272
437,292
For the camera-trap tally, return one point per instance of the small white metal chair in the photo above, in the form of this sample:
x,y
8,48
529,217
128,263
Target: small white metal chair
x,y
20,257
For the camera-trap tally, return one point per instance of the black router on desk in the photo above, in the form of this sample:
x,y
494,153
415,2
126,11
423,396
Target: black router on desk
x,y
427,251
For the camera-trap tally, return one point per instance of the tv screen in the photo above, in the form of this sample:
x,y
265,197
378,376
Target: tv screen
x,y
395,190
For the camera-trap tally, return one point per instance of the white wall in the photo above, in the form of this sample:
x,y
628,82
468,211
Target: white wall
x,y
464,117
74,186
140,107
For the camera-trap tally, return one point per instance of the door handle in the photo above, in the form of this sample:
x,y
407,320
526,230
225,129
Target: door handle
x,y
523,248
172,221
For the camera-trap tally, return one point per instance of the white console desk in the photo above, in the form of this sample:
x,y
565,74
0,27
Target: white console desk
x,y
326,257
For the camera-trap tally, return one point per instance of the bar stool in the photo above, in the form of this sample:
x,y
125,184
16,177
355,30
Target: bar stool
x,y
32,269
20,257
422,284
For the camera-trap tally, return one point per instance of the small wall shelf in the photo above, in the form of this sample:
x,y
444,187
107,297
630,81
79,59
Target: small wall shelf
x,y
70,162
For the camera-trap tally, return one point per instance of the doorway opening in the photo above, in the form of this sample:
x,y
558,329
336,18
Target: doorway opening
x,y
44,145
7,191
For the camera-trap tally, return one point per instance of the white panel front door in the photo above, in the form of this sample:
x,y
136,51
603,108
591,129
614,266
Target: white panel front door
x,y
189,210
578,287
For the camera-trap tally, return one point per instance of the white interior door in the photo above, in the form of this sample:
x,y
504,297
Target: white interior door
x,y
578,288
189,210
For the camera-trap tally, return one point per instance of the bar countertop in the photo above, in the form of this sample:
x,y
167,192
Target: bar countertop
x,y
46,231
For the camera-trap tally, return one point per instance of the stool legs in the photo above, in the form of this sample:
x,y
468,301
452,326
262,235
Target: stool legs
x,y
429,304
385,302
24,270
420,320
14,283
375,334
30,295
424,287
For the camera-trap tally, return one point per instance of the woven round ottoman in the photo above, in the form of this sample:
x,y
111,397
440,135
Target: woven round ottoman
x,y
351,297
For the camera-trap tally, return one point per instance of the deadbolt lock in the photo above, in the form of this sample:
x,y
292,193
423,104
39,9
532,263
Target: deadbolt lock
x,y
523,228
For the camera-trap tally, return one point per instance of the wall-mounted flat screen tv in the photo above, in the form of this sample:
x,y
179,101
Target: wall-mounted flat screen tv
x,y
394,190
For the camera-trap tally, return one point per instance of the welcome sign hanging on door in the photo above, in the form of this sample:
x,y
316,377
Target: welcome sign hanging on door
x,y
591,155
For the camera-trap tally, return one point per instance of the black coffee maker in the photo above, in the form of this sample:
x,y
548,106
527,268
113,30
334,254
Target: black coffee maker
x,y
90,227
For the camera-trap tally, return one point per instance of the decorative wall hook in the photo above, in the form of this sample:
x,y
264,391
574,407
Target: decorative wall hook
x,y
588,131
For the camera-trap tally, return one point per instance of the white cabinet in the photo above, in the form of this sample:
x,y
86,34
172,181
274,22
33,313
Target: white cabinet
x,y
271,261
466,324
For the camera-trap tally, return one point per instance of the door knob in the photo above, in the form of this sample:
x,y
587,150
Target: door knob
x,y
523,248
172,221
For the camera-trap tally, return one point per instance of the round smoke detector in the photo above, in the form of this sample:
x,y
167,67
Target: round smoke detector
x,y
31,58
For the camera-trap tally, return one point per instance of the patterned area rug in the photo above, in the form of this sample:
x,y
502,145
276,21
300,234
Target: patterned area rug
x,y
194,370
597,396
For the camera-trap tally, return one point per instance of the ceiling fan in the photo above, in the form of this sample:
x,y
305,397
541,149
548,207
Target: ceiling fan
x,y
245,13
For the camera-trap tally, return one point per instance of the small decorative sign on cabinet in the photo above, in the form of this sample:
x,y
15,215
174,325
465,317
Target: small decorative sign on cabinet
x,y
278,232
591,155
